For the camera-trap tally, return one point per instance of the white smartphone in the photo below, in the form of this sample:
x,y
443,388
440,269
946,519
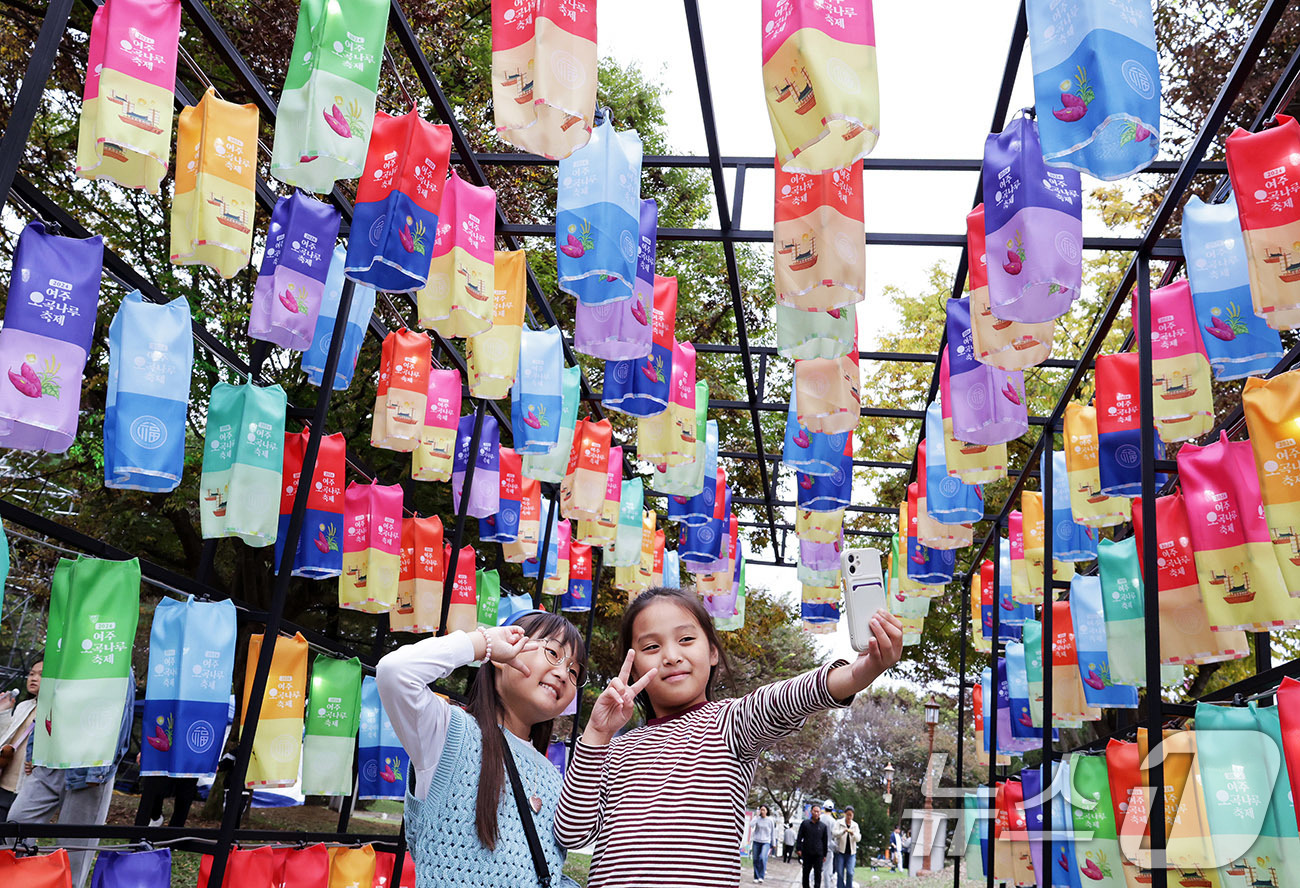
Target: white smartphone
x,y
864,592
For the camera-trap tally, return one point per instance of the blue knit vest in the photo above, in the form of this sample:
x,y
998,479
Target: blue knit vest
x,y
440,828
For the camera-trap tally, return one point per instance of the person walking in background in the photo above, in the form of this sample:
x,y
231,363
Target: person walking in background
x,y
788,851
896,850
764,834
828,863
15,728
811,845
847,835
907,850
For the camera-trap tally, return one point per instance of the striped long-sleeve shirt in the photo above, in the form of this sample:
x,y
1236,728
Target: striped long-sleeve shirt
x,y
665,803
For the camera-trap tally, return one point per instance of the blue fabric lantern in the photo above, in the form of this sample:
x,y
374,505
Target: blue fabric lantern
x,y
672,570
577,597
642,386
826,493
701,543
618,331
537,399
132,869
1022,725
1071,541
295,265
1008,743
1033,228
383,764
949,500
151,356
813,453
1096,84
597,218
1090,639
931,567
1013,615
363,306
485,491
1238,342
191,664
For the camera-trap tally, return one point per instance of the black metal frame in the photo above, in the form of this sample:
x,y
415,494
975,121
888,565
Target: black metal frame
x,y
539,312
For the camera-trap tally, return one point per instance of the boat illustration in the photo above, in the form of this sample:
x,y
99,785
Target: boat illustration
x,y
1287,537
402,412
805,97
972,449
1237,868
118,99
1143,876
474,286
805,252
405,606
1235,591
523,80
145,120
237,221
358,578
569,122
1290,272
855,129
1193,878
116,152
1255,877
1175,391
1022,344
1094,496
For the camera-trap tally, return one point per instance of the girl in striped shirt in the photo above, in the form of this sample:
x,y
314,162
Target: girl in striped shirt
x,y
665,803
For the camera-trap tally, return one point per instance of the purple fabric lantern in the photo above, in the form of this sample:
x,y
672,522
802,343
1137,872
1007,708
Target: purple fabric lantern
x,y
988,404
1033,223
485,491
620,331
48,327
819,556
295,266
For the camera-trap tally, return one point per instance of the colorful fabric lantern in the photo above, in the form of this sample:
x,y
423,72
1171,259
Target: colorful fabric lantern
x,y
1241,581
352,866
399,197
1100,688
700,545
126,109
359,312
1022,723
1033,635
46,337
1007,345
1288,709
304,866
556,581
801,335
1184,401
1119,430
329,93
294,272
524,545
191,666
1096,86
130,869
925,565
828,393
821,60
1033,219
1020,589
94,609
1239,343
697,508
503,525
1097,853
948,498
827,493
537,399
643,386
1185,635
981,633
668,438
736,620
402,395
1123,605
1008,742
577,598
485,491
551,466
1068,700
1071,540
672,570
821,255
457,301
151,358
813,453
551,537
1034,530
383,764
981,732
333,712
601,532
216,170
372,542
277,743
242,461
492,357
597,217
1013,614
434,456
1271,407
421,577
620,331
1264,167
257,866
384,864
988,404
686,478
462,613
544,75
582,493
488,583
972,463
319,554
1088,504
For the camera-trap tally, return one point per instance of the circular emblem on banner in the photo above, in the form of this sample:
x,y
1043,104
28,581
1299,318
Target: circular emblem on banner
x,y
377,231
949,486
370,770
285,748
849,248
837,477
568,70
842,75
98,719
977,396
1138,78
149,432
706,533
627,243
600,313
509,518
201,736
1128,455
622,370
439,285
1067,247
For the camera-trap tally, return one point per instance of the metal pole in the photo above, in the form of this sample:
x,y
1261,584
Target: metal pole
x,y
591,624
1049,595
238,793
991,725
543,554
961,705
1151,578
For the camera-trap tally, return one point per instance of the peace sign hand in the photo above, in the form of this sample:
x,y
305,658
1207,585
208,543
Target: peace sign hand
x,y
615,704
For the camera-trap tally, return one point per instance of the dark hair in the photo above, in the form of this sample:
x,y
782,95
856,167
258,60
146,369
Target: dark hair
x,y
485,707
688,601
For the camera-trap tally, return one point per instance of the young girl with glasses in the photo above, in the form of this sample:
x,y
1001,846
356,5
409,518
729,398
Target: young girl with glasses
x,y
463,826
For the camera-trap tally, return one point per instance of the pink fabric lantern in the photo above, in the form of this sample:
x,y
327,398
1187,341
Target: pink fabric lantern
x,y
524,546
462,613
372,542
1184,399
457,299
1033,216
291,282
582,492
432,459
668,439
828,397
401,398
817,236
1005,344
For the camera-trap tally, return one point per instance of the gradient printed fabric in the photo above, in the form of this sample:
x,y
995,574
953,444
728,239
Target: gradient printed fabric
x,y
550,466
492,357
458,299
620,330
820,81
333,713
1270,407
243,458
1088,504
950,500
434,455
383,764
294,273
972,463
1089,623
1005,344
402,394
359,312
642,386
817,238
319,553
1097,858
1183,401
1096,84
1071,541
988,404
277,743
544,74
